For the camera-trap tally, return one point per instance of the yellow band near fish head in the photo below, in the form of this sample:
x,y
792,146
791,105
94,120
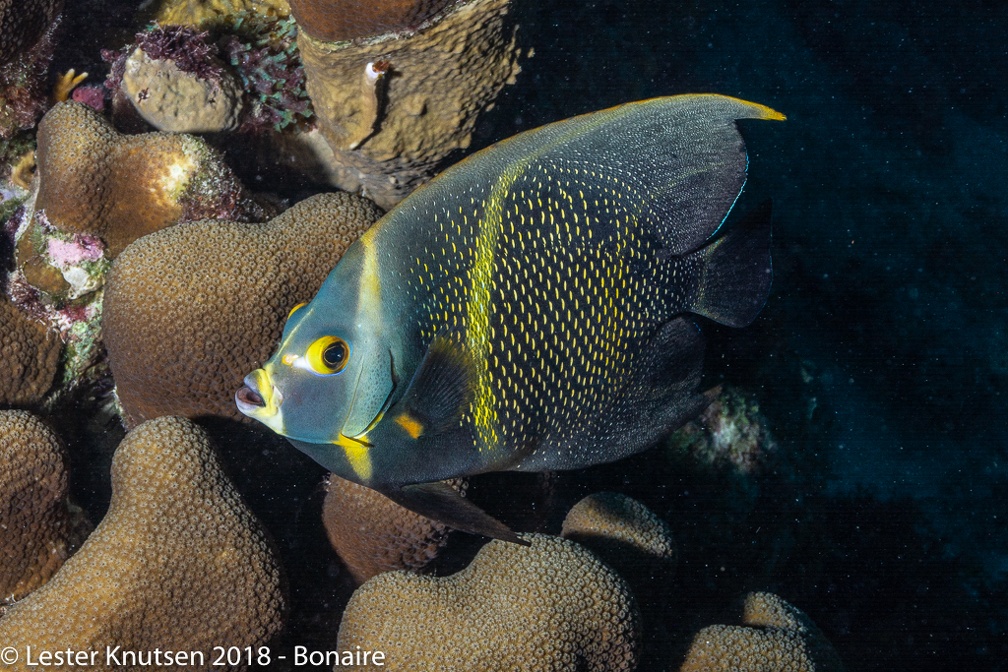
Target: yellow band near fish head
x,y
357,455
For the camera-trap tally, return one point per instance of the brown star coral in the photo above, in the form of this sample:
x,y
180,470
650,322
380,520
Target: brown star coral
x,y
372,534
191,309
614,525
27,41
551,606
23,23
392,108
775,636
178,564
96,181
41,528
30,357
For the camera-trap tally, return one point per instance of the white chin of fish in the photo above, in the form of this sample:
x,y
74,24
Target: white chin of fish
x,y
262,412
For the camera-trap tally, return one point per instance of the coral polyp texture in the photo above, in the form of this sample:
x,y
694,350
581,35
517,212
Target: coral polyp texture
x,y
30,357
96,181
27,41
336,20
41,528
774,636
266,59
614,525
394,107
207,301
550,606
23,23
177,564
372,534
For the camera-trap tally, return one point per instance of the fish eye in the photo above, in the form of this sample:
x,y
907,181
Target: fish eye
x,y
328,355
295,309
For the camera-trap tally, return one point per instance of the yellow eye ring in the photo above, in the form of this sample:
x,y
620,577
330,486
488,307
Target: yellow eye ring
x,y
295,309
328,355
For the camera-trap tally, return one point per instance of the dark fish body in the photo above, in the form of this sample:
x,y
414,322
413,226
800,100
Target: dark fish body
x,y
529,309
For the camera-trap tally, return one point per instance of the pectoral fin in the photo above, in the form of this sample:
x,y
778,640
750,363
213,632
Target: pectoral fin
x,y
443,503
440,391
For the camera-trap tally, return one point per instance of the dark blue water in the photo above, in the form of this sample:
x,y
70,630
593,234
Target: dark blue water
x,y
888,311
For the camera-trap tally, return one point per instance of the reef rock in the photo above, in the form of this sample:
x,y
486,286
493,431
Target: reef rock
x,y
178,563
171,99
774,636
216,13
41,528
731,434
230,287
30,357
551,606
372,534
393,106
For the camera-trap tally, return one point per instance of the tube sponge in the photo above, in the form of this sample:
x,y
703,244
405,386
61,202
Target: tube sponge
x,y
336,20
394,108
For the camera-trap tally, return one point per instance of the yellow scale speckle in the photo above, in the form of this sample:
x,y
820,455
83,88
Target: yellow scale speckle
x,y
544,297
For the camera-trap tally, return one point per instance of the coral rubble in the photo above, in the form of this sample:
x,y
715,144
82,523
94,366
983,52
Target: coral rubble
x,y
372,534
393,107
774,636
551,606
207,301
41,528
177,564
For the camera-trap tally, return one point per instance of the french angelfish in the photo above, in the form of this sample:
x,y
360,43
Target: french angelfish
x,y
529,309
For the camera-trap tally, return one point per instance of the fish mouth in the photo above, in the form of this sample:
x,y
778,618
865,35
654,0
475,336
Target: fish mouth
x,y
260,399
248,400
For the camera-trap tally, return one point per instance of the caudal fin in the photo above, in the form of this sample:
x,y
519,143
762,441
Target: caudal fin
x,y
735,272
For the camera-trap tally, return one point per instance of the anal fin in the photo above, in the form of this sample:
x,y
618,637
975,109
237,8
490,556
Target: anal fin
x,y
443,503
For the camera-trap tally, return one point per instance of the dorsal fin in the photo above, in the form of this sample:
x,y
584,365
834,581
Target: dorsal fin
x,y
673,165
